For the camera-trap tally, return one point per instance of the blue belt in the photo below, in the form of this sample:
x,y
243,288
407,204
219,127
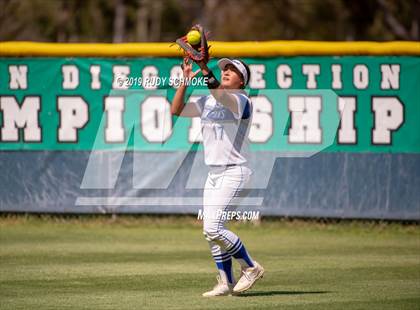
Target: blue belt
x,y
220,166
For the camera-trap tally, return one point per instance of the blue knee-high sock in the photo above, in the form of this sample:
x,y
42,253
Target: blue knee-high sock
x,y
224,264
239,252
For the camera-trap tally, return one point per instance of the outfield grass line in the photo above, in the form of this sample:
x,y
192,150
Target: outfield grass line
x,y
83,264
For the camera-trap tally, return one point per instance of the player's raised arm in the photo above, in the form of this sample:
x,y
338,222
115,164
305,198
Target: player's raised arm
x,y
178,106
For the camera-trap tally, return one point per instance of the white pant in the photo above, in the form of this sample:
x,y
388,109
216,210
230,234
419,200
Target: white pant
x,y
223,191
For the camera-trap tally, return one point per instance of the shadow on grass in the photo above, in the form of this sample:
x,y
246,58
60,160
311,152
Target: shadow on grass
x,y
272,293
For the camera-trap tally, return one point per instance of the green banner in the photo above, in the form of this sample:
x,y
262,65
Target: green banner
x,y
349,103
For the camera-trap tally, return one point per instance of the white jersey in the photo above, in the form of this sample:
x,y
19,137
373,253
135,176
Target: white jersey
x,y
225,134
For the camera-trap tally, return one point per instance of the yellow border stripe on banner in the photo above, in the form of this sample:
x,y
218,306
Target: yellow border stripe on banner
x,y
218,49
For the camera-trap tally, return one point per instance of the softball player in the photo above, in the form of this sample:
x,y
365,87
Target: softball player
x,y
225,117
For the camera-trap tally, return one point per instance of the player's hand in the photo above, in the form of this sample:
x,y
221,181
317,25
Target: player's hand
x,y
187,69
203,66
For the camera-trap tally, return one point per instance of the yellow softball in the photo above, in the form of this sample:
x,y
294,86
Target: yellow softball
x,y
193,37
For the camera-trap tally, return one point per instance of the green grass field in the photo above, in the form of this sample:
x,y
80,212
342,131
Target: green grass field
x,y
164,263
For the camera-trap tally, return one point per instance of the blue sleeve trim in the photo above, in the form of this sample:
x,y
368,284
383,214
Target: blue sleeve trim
x,y
247,110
